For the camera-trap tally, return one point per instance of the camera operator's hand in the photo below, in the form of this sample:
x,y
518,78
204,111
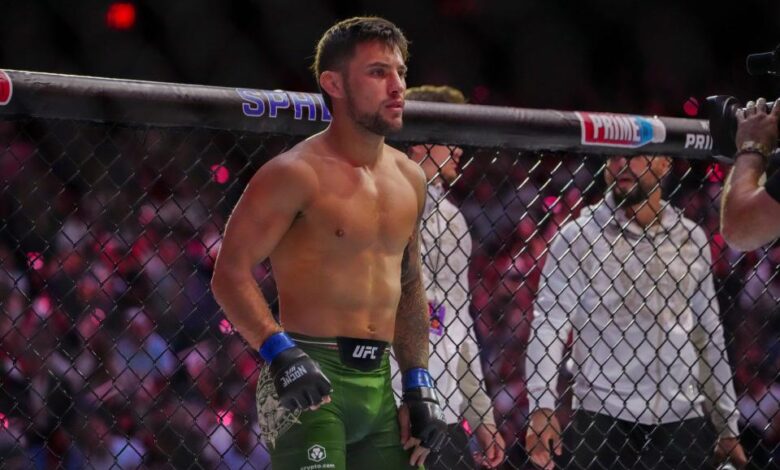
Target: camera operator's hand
x,y
756,128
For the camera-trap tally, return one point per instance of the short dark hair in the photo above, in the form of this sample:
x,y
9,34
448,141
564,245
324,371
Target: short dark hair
x,y
338,43
437,94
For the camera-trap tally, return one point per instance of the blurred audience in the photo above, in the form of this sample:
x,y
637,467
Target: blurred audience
x,y
112,351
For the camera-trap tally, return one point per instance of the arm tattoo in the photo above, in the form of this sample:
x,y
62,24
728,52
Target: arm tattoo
x,y
411,320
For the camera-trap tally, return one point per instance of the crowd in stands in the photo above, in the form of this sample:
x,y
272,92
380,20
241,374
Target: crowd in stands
x,y
113,353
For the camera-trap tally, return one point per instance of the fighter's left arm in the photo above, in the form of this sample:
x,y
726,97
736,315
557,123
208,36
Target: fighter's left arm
x,y
420,416
411,322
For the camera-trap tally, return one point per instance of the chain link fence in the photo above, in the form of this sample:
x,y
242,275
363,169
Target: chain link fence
x,y
113,353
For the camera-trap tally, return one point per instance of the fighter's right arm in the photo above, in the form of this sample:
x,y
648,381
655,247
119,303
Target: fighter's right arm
x,y
276,194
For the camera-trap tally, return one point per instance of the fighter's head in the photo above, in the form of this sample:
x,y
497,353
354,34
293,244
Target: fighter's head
x,y
360,67
437,160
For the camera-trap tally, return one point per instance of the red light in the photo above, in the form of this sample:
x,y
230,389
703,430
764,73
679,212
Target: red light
x,y
691,106
225,417
226,327
35,260
716,173
551,203
220,174
120,15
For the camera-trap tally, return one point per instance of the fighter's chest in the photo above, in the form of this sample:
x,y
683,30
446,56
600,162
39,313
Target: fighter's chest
x,y
367,211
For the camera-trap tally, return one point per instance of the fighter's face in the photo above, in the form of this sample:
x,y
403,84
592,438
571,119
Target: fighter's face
x,y
374,85
633,180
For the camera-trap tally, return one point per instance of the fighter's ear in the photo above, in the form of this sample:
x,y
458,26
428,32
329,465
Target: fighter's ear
x,y
332,82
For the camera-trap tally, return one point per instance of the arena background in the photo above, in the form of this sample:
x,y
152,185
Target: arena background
x,y
637,58
640,57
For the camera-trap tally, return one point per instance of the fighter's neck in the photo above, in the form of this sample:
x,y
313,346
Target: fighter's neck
x,y
355,144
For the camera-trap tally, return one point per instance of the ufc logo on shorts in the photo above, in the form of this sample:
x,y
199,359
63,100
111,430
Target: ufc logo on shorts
x,y
364,352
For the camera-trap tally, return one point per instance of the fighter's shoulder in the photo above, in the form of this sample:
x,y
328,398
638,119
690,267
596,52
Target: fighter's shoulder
x,y
409,168
293,167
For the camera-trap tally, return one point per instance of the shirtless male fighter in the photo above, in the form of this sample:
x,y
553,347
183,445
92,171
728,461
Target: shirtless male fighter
x,y
338,215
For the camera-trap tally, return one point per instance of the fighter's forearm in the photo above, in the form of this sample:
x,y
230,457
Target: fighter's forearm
x,y
411,332
245,306
411,322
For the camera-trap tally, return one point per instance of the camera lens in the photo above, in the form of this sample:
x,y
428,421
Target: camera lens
x,y
721,113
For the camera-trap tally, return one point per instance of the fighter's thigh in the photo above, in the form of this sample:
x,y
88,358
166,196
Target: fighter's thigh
x,y
317,442
381,449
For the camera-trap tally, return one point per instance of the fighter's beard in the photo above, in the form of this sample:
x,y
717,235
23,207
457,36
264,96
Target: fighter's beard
x,y
372,122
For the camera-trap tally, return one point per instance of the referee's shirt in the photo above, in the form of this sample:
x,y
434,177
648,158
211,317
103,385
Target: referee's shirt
x,y
648,344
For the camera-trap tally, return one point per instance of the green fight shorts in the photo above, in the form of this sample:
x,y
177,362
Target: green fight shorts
x,y
357,430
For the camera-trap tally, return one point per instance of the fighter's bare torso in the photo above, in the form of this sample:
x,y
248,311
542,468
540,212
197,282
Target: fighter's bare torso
x,y
338,266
